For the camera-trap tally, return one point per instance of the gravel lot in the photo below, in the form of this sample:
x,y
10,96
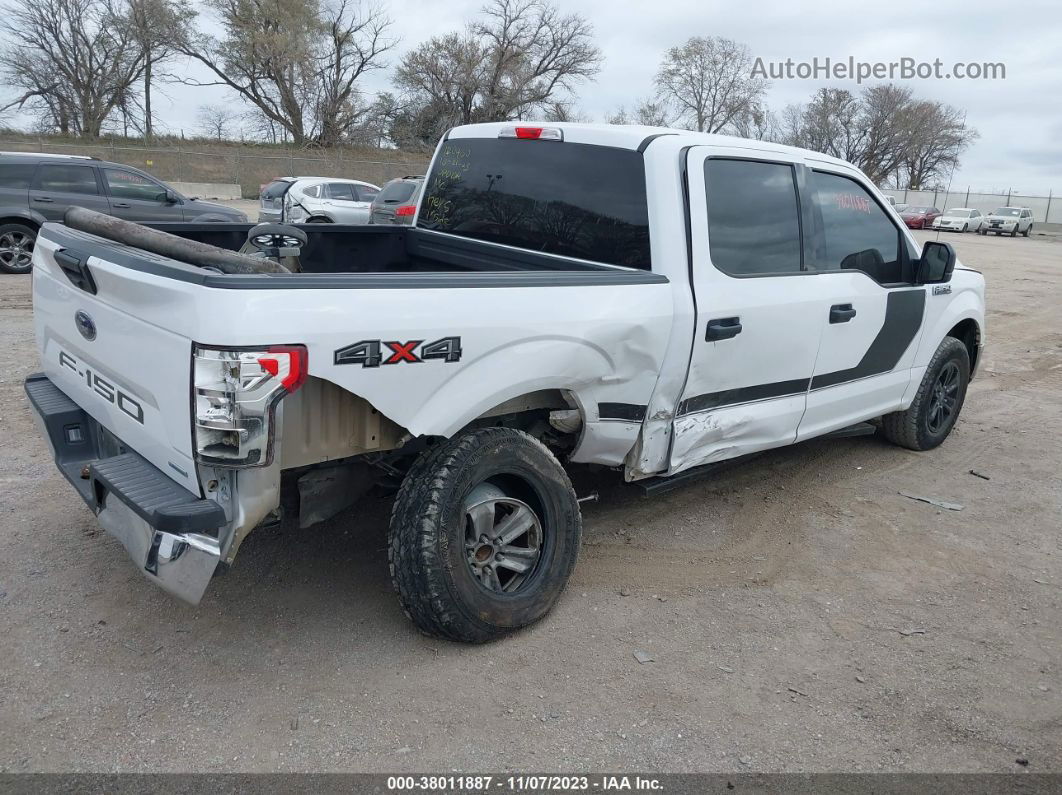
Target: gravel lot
x,y
801,613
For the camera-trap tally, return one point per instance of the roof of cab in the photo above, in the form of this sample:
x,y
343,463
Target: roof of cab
x,y
638,137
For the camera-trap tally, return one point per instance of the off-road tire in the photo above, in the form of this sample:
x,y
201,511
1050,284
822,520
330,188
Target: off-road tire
x,y
911,428
427,538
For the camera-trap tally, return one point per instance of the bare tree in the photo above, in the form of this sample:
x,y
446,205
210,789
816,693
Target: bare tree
x,y
76,60
297,61
885,131
160,28
758,123
521,57
648,111
709,82
217,120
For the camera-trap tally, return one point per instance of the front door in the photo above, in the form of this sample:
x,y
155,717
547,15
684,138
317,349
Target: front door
x,y
759,313
872,313
136,197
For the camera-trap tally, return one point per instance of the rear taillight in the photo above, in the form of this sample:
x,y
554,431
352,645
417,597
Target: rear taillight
x,y
406,209
235,394
532,133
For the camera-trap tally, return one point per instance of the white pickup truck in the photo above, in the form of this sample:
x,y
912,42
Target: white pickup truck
x,y
646,299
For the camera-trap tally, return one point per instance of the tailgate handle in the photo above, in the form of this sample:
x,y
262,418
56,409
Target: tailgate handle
x,y
75,266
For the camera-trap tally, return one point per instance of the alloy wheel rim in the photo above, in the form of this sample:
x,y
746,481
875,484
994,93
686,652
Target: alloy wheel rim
x,y
503,540
16,250
943,398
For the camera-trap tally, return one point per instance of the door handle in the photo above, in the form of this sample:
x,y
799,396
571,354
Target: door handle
x,y
841,313
123,205
43,200
722,328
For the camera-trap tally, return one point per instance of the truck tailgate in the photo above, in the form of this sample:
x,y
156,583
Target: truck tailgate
x,y
101,343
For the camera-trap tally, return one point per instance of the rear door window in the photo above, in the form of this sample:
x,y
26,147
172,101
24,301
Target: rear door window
x,y
341,191
66,179
16,175
575,200
365,193
753,217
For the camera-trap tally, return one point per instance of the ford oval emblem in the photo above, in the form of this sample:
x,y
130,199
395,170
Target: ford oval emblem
x,y
85,324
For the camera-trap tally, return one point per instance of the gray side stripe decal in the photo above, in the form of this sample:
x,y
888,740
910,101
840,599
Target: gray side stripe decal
x,y
903,318
904,310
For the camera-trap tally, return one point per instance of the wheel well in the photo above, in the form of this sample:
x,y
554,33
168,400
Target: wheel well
x,y
18,219
969,334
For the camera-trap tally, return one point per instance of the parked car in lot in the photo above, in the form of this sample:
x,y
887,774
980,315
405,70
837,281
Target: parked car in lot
x,y
36,188
1008,220
643,299
917,217
396,203
959,219
316,200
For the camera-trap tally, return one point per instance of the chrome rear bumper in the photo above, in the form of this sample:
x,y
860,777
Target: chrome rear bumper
x,y
169,532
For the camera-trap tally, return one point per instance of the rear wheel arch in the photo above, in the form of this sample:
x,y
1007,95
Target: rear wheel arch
x,y
24,220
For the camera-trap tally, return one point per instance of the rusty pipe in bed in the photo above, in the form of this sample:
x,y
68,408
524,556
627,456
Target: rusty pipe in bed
x,y
164,244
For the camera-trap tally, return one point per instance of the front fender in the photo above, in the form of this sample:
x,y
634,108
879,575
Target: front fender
x,y
966,302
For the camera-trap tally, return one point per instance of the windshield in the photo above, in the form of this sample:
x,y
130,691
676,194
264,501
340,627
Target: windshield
x,y
575,200
957,214
917,210
1006,211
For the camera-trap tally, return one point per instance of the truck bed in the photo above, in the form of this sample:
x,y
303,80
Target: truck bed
x,y
333,248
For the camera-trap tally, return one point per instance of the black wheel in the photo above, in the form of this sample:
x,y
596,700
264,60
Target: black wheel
x,y
965,227
1028,231
938,402
319,220
16,248
1014,231
484,534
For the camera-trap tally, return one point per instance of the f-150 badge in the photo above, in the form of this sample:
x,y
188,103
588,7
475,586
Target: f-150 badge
x,y
373,353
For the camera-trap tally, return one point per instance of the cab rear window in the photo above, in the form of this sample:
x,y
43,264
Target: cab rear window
x,y
575,200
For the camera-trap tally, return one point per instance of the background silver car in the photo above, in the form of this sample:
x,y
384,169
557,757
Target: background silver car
x,y
316,200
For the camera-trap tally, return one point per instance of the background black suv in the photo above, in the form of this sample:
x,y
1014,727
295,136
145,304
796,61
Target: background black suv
x,y
35,188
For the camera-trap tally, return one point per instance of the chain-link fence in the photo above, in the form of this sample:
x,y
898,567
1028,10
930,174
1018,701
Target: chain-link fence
x,y
1046,209
245,166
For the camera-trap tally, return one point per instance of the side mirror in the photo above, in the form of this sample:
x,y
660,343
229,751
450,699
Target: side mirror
x,y
936,263
172,198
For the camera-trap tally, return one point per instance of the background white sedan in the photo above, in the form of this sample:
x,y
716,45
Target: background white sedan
x,y
959,219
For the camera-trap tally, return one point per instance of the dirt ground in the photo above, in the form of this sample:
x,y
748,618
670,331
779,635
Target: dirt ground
x,y
801,613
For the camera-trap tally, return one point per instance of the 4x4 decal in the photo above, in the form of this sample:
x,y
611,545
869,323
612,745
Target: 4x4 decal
x,y
371,353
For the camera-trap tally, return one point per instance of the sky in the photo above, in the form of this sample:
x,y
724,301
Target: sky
x,y
1019,118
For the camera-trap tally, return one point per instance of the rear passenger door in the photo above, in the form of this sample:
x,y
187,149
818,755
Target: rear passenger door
x,y
759,313
345,203
871,313
59,186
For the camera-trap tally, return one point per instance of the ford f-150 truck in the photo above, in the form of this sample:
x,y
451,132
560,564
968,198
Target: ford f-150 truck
x,y
645,299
